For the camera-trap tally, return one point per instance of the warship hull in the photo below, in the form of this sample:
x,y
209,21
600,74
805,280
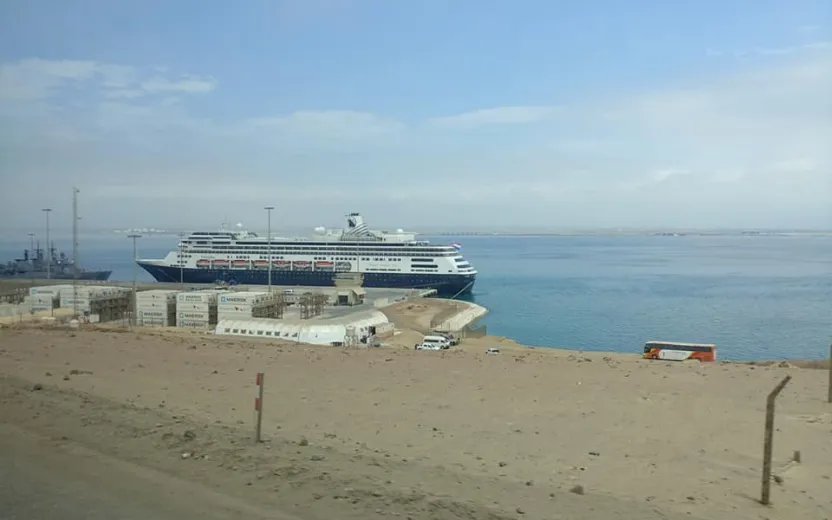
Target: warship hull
x,y
42,275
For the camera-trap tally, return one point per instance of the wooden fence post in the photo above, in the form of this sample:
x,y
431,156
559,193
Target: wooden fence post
x,y
769,438
258,407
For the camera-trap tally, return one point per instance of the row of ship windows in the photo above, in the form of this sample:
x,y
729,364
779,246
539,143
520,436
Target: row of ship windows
x,y
351,252
415,266
396,270
277,257
317,245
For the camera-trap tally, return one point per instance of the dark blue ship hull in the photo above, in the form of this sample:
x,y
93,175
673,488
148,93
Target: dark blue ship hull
x,y
445,285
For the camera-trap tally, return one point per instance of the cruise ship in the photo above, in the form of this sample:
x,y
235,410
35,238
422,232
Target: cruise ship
x,y
383,259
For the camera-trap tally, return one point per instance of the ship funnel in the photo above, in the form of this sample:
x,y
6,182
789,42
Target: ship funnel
x,y
355,220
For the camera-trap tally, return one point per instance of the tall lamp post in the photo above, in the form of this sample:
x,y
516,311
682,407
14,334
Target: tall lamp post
x,y
181,264
32,256
135,302
48,247
269,241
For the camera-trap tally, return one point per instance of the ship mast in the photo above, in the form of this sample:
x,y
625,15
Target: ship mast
x,y
75,252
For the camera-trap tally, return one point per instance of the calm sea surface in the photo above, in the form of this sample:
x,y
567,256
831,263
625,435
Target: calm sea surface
x,y
761,297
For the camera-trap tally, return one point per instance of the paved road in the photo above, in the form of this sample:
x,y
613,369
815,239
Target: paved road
x,y
42,480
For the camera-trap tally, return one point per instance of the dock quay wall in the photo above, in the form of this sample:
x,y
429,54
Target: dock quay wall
x,y
462,319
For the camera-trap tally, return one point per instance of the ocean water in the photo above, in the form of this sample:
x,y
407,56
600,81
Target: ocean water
x,y
756,297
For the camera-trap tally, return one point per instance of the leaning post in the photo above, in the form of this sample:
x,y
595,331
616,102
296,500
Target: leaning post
x,y
765,495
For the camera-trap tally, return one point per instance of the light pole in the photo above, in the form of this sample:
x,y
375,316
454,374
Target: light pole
x,y
269,241
181,264
135,303
32,256
48,247
75,219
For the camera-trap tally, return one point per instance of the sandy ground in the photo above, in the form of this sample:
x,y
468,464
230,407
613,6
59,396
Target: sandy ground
x,y
393,432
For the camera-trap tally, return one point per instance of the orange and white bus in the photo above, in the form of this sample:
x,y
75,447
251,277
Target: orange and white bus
x,y
679,351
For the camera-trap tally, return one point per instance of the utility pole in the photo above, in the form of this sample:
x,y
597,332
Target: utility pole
x,y
75,218
269,240
135,303
48,247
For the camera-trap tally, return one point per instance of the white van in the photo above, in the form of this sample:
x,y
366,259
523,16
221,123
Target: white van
x,y
440,341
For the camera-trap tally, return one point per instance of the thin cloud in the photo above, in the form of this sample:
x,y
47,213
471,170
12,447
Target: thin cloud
x,y
188,84
510,115
770,51
33,79
345,125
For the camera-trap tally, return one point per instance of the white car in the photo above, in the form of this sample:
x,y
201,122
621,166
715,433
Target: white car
x,y
492,350
427,346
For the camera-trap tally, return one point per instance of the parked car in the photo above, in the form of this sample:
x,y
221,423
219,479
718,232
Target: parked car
x,y
492,350
453,340
427,346
440,341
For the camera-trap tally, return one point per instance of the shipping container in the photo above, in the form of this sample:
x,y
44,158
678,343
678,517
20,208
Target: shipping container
x,y
196,315
156,321
54,290
197,297
156,295
155,305
153,313
195,324
42,300
246,297
195,307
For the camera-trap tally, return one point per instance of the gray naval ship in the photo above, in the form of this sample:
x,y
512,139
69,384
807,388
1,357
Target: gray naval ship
x,y
58,267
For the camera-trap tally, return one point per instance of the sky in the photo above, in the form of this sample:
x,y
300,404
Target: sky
x,y
465,114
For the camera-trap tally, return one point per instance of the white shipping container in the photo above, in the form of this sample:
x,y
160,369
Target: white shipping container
x,y
196,324
48,289
69,302
247,310
156,306
196,297
195,307
246,306
195,315
245,297
40,299
228,312
155,322
156,294
141,313
156,302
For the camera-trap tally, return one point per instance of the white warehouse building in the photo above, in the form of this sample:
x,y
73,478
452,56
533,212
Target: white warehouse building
x,y
317,332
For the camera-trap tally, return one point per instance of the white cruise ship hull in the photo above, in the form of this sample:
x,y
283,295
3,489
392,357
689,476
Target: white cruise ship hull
x,y
444,284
